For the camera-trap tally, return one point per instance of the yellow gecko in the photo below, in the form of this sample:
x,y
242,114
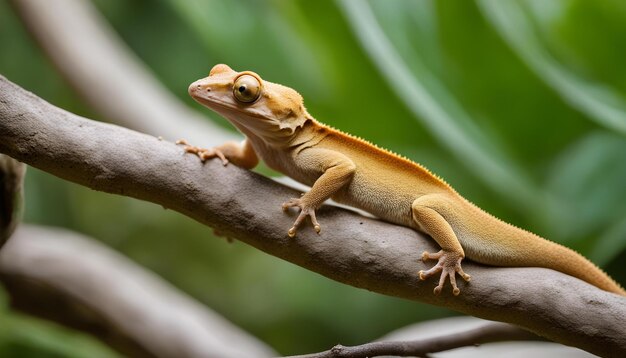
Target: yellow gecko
x,y
351,171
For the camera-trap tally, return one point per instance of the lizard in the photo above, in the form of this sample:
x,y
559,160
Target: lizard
x,y
352,171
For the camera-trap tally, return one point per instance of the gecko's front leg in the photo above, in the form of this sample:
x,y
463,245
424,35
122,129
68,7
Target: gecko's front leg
x,y
240,154
336,171
203,153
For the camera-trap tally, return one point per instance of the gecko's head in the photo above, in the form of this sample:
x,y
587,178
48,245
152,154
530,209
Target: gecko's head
x,y
266,109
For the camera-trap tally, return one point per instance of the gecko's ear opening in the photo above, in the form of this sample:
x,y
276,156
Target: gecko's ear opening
x,y
294,121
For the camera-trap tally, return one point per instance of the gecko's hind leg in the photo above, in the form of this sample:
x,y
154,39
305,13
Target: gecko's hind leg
x,y
426,213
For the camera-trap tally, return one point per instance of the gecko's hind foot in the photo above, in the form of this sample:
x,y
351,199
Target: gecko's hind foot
x,y
203,153
449,265
305,211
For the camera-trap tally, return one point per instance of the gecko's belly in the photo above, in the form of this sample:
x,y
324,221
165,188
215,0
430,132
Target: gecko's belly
x,y
380,202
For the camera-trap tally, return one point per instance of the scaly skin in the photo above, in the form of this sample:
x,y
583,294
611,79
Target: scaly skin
x,y
336,165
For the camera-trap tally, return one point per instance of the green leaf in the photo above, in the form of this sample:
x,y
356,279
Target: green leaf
x,y
588,178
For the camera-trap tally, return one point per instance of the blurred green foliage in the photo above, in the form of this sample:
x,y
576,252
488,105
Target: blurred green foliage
x,y
520,105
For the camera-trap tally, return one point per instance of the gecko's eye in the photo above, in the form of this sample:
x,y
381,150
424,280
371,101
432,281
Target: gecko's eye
x,y
247,89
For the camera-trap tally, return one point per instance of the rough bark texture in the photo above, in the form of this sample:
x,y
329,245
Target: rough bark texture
x,y
352,249
70,279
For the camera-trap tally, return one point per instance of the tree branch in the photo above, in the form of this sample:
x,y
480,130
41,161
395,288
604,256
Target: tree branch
x,y
66,277
488,333
11,195
352,249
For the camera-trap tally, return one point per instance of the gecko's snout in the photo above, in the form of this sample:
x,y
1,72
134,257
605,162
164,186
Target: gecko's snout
x,y
194,88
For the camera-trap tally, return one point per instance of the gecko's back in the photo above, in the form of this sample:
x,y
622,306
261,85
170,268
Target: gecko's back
x,y
381,176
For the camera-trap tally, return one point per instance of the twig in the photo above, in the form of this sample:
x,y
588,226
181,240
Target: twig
x,y
352,249
491,332
69,278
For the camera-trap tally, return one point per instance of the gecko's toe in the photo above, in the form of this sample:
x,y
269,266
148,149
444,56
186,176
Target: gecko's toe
x,y
316,225
461,273
437,290
431,256
421,275
290,203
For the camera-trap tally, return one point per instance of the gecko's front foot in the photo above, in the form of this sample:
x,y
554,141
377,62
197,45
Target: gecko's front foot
x,y
449,264
203,153
305,210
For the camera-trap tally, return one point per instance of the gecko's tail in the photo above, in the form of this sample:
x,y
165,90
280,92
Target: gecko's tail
x,y
518,247
566,260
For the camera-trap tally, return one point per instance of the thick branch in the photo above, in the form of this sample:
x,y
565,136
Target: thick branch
x,y
352,249
68,278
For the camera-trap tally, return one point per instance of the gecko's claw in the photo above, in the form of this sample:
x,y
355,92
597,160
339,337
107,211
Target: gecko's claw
x,y
203,153
449,265
305,211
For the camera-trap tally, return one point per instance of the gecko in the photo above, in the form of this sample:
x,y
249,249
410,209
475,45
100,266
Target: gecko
x,y
352,171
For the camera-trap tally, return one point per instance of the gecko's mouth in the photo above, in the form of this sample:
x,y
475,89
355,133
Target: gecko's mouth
x,y
237,115
216,105
212,102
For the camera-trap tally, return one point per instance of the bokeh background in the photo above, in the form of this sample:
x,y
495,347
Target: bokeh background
x,y
520,105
